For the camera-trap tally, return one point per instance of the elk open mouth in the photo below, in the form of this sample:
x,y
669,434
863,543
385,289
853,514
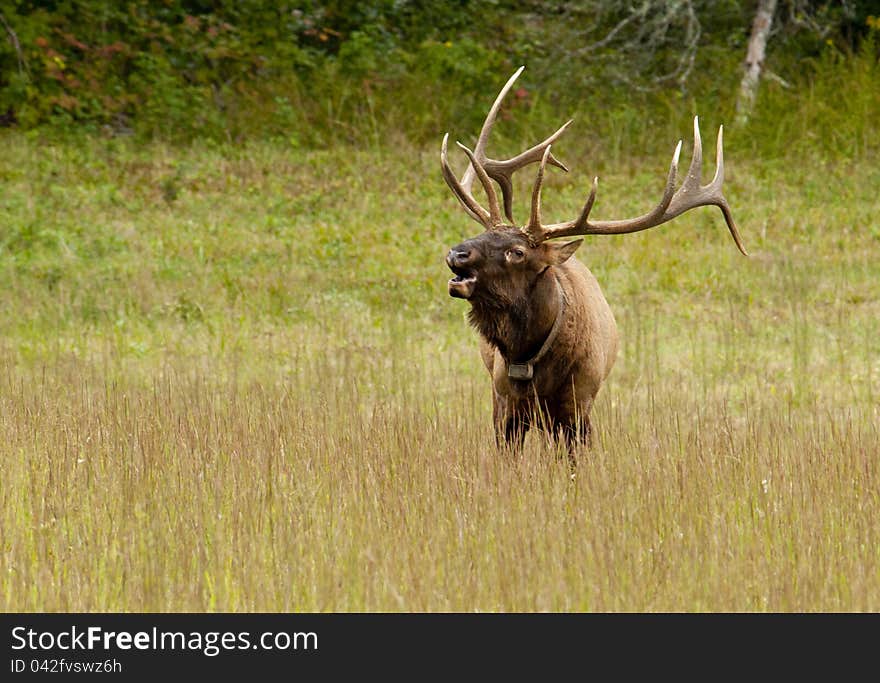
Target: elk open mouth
x,y
462,284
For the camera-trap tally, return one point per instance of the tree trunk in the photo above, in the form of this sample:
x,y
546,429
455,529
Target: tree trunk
x,y
748,88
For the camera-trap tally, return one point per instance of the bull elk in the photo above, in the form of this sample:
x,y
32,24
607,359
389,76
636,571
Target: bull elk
x,y
547,335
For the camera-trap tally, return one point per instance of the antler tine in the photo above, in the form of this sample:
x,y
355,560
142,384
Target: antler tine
x,y
494,210
467,180
716,183
718,179
475,211
533,228
692,179
480,148
588,206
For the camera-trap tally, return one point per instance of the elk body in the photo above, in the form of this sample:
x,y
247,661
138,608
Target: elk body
x,y
547,335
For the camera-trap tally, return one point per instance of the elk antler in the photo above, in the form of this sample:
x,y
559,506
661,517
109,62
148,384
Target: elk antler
x,y
501,171
673,203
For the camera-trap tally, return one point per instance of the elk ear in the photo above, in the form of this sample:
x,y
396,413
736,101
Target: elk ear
x,y
557,253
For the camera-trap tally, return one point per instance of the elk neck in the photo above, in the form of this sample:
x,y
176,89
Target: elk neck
x,y
519,327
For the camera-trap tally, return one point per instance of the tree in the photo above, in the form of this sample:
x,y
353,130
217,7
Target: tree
x,y
748,88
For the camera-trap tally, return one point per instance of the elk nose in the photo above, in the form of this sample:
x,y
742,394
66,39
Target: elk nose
x,y
459,257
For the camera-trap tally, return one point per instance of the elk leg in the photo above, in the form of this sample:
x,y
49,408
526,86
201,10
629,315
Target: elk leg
x,y
510,432
510,426
575,433
515,429
586,432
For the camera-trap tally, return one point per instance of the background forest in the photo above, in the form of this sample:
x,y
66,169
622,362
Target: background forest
x,y
320,73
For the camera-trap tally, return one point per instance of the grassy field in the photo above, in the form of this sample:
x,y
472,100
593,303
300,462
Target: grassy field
x,y
231,379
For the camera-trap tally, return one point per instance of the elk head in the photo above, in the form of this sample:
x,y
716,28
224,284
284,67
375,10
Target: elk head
x,y
503,263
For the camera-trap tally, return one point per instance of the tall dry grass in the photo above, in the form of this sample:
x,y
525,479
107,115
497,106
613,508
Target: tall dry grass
x,y
357,478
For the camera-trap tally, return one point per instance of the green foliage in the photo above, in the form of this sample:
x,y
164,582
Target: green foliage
x,y
170,69
318,73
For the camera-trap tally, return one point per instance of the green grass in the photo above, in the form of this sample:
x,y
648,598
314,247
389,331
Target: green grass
x,y
231,379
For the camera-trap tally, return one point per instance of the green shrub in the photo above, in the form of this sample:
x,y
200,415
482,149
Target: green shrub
x,y
321,73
